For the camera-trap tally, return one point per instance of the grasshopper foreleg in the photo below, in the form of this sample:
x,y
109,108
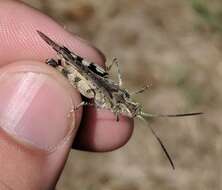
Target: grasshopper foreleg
x,y
140,90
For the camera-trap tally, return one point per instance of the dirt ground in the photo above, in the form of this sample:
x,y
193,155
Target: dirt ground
x,y
176,46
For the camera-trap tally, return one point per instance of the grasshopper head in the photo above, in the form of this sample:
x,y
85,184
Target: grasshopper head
x,y
125,105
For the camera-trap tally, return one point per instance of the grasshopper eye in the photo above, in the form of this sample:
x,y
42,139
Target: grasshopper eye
x,y
126,94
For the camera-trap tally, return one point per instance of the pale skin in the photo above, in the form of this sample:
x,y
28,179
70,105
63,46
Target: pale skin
x,y
24,167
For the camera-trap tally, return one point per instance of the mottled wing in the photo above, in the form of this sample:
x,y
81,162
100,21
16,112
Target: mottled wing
x,y
70,56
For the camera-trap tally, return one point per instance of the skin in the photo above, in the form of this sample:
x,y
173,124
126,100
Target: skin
x,y
23,166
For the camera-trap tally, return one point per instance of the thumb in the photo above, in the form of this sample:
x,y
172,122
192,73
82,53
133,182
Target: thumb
x,y
37,125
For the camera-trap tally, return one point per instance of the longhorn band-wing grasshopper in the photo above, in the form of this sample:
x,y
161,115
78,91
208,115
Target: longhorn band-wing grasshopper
x,y
93,82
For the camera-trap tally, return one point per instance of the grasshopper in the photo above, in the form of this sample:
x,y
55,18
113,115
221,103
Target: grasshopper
x,y
94,83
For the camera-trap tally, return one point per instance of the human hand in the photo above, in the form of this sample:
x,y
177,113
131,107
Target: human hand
x,y
37,127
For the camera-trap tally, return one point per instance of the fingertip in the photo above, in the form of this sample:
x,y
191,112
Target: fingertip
x,y
100,132
43,100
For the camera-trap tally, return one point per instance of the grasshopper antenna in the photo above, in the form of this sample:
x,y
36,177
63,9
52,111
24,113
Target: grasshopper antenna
x,y
49,41
160,142
148,115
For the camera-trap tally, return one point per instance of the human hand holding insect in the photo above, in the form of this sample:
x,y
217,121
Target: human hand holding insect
x,y
36,104
38,114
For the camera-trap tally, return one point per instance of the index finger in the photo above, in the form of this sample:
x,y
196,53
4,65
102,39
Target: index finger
x,y
19,41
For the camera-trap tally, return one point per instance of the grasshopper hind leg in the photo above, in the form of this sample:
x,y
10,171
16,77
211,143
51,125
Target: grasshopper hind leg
x,y
53,62
58,65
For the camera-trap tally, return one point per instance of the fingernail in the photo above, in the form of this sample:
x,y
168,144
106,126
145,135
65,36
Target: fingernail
x,y
35,109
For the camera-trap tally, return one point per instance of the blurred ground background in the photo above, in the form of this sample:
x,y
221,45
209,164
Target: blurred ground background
x,y
176,46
